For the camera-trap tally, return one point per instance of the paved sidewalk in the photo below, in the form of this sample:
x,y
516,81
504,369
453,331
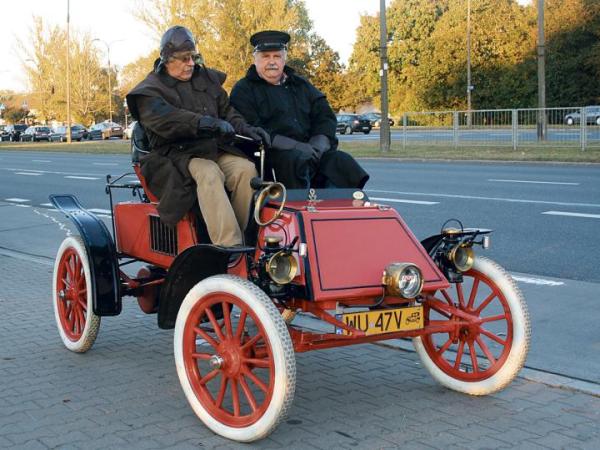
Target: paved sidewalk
x,y
124,393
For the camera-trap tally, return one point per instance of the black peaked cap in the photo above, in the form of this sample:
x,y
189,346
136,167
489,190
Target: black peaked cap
x,y
269,40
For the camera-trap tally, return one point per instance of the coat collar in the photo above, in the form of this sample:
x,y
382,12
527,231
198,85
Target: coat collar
x,y
252,74
198,82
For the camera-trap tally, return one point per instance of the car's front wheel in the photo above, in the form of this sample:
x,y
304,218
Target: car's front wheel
x,y
238,371
570,121
348,130
484,344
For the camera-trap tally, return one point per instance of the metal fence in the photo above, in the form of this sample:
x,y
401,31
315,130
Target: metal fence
x,y
558,127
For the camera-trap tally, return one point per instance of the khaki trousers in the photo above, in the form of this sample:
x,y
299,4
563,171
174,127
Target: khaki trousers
x,y
224,219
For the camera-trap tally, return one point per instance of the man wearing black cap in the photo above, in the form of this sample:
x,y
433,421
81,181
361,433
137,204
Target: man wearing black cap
x,y
298,118
190,126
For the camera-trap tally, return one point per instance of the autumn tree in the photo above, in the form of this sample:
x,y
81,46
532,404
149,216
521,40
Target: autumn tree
x,y
223,28
44,63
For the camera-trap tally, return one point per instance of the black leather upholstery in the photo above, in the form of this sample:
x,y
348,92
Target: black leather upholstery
x,y
139,143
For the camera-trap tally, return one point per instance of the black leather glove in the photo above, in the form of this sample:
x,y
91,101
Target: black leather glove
x,y
309,151
257,133
285,143
320,143
211,127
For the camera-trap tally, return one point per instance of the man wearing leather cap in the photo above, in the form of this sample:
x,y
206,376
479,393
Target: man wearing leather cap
x,y
298,118
190,126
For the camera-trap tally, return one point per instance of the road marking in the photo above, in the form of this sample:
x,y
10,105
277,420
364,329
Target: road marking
x,y
47,204
538,281
17,200
26,169
33,174
99,211
81,178
571,214
533,182
475,197
397,200
41,160
105,164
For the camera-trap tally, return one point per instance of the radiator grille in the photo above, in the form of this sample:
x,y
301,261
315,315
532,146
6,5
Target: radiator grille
x,y
162,238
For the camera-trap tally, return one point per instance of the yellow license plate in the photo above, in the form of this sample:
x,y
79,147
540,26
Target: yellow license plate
x,y
384,320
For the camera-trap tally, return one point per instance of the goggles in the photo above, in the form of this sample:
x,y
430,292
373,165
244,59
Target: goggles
x,y
186,56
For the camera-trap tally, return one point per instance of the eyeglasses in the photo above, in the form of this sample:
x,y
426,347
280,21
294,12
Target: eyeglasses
x,y
185,57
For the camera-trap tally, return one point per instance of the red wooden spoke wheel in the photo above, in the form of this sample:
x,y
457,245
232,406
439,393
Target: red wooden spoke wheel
x,y
72,296
234,358
489,332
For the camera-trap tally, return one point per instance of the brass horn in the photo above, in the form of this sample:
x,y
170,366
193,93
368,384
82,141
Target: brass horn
x,y
270,191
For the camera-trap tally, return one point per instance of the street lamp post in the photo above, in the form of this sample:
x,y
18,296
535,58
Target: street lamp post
x,y
384,128
68,75
469,86
109,80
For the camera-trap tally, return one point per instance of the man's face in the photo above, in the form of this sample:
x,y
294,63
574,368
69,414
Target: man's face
x,y
181,65
269,65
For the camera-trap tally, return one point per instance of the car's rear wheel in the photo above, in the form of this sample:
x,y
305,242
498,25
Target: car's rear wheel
x,y
570,121
73,296
367,132
238,372
348,130
488,337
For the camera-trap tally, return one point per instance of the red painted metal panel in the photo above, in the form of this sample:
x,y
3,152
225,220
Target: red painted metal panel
x,y
133,233
349,248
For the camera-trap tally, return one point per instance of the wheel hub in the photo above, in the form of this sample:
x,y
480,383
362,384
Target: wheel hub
x,y
216,362
229,359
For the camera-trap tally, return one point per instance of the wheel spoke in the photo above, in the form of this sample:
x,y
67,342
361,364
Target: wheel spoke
x,y
69,266
251,342
235,397
241,325
227,319
264,363
493,318
222,390
445,347
215,323
262,386
486,350
209,376
81,319
473,357
474,289
202,356
492,336
447,297
459,354
485,303
204,335
461,297
248,394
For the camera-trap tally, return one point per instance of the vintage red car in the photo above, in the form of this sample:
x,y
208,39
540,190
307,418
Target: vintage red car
x,y
332,254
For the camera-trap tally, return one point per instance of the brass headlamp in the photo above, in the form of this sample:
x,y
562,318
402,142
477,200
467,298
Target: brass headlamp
x,y
462,257
282,267
402,279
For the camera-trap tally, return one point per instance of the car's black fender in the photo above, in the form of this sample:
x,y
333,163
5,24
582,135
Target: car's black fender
x,y
101,252
191,266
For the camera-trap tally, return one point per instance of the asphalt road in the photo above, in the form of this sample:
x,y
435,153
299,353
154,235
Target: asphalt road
x,y
546,219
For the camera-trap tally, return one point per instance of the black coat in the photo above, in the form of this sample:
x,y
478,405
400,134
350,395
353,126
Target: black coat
x,y
298,110
169,111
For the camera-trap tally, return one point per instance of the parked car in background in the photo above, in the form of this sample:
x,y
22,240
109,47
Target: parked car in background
x,y
375,119
3,134
592,116
129,130
60,133
105,130
14,131
36,133
349,123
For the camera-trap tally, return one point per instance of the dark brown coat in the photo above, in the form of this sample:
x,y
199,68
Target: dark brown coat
x,y
169,111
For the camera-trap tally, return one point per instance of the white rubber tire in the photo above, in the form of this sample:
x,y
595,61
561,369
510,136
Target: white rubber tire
x,y
520,344
279,340
92,321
